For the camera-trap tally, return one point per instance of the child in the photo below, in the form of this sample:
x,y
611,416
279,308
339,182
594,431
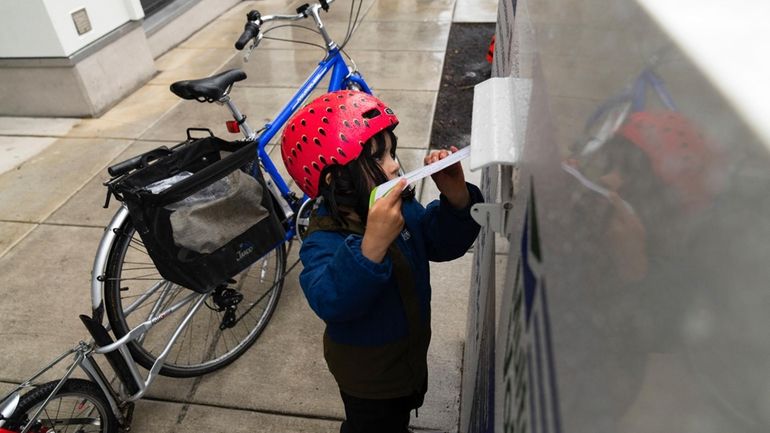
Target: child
x,y
366,270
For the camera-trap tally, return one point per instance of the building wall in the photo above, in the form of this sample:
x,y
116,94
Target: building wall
x,y
47,69
44,28
635,294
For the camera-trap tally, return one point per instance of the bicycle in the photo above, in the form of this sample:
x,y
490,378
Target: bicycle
x,y
122,273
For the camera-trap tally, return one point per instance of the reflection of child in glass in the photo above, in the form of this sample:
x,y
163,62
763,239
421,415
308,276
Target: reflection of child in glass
x,y
366,270
662,160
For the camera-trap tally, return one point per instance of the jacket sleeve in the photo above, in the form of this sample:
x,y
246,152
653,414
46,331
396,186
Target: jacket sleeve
x,y
449,232
339,283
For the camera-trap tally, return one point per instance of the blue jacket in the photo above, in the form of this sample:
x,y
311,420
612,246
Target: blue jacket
x,y
359,299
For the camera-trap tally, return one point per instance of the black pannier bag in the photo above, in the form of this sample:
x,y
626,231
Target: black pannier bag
x,y
201,218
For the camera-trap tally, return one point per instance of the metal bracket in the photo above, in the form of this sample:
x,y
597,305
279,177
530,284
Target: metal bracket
x,y
492,215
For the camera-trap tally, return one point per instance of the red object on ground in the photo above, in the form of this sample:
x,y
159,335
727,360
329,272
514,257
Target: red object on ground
x,y
491,50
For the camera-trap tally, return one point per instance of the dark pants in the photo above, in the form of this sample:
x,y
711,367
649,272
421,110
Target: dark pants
x,y
376,416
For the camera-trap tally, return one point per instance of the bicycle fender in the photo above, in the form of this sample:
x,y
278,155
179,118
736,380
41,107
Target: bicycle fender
x,y
100,262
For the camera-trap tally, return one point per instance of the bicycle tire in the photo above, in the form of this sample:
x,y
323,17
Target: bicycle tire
x,y
120,286
86,398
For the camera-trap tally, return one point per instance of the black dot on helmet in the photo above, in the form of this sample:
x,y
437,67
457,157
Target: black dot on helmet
x,y
346,123
361,143
294,152
334,160
307,170
288,158
355,105
340,96
350,94
325,120
388,111
308,183
342,137
326,99
366,122
322,132
311,111
304,138
316,141
339,150
303,122
329,109
316,166
299,147
322,159
292,127
356,122
342,107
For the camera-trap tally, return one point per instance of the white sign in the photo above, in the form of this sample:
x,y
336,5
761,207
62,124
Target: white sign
x,y
420,173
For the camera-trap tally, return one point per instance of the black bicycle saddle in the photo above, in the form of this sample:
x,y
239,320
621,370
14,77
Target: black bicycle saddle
x,y
209,89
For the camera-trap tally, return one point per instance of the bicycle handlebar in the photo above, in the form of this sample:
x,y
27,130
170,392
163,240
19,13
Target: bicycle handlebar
x,y
255,20
137,161
250,31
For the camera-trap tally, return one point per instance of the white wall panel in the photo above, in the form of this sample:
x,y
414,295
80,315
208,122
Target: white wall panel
x,y
45,28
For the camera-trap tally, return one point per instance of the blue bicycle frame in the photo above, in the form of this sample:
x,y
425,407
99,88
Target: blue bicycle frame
x,y
341,77
636,96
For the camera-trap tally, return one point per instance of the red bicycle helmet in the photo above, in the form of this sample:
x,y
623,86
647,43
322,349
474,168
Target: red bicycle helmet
x,y
678,153
331,129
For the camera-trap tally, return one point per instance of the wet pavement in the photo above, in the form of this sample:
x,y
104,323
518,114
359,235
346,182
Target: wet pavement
x,y
51,217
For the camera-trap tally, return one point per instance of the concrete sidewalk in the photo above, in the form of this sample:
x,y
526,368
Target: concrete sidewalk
x,y
51,217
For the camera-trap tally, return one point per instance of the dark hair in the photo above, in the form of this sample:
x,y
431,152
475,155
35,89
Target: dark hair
x,y
350,184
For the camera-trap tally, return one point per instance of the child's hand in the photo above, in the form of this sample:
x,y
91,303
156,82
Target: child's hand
x,y
451,180
384,223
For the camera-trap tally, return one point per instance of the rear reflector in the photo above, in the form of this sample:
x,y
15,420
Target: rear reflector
x,y
232,126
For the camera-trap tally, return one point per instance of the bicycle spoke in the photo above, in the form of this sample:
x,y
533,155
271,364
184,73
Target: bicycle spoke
x,y
139,268
141,250
72,415
138,278
137,240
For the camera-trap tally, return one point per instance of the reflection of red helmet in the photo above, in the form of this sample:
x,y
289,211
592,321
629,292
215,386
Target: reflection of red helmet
x,y
678,153
332,129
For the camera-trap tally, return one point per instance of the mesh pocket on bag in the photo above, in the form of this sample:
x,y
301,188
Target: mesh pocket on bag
x,y
204,220
207,224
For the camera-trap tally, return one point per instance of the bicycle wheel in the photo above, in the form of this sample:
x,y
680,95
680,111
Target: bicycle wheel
x,y
78,406
220,332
